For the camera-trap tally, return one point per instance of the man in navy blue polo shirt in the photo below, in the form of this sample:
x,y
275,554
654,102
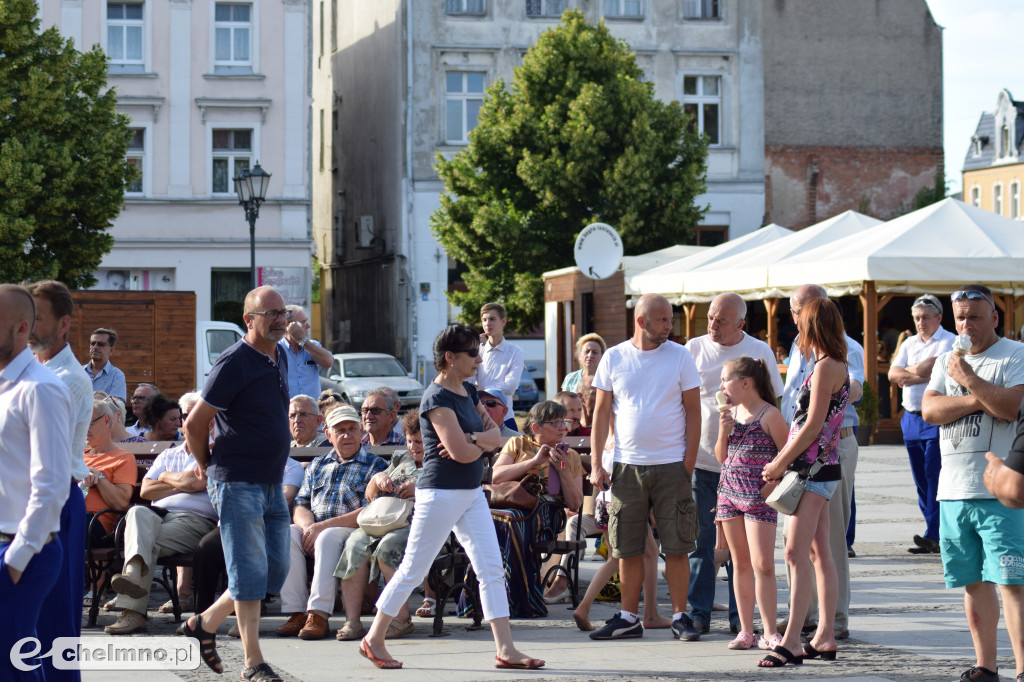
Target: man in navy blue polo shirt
x,y
247,396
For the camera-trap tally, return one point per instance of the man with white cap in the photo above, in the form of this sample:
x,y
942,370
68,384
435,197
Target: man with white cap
x,y
332,493
911,369
493,400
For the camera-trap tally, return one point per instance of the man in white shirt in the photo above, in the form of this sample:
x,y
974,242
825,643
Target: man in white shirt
x,y
911,369
503,362
974,397
724,341
652,387
34,479
49,342
840,506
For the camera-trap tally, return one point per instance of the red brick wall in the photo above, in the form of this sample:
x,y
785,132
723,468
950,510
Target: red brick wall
x,y
808,184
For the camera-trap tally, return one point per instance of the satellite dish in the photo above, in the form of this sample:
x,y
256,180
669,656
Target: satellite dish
x,y
598,251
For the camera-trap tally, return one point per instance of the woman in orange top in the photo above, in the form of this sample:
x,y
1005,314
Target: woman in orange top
x,y
112,473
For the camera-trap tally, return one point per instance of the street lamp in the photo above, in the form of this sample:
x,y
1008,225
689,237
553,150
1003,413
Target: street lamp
x,y
251,186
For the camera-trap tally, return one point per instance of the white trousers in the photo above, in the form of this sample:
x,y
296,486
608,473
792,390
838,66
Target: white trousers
x,y
320,596
438,512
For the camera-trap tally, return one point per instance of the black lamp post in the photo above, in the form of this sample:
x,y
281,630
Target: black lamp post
x,y
251,186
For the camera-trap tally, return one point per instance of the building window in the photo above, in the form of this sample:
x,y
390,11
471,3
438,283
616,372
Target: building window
x,y
545,8
125,24
997,199
626,9
712,235
701,9
976,196
1015,199
464,95
702,100
232,154
232,34
475,7
136,156
1004,140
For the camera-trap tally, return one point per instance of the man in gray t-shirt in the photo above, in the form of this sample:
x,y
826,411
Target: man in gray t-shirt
x,y
973,396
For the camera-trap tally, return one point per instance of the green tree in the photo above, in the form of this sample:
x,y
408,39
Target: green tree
x,y
62,153
578,138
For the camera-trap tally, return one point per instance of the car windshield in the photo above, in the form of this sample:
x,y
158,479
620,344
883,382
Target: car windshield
x,y
373,367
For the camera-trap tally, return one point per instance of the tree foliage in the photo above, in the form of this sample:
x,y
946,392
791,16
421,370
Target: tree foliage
x,y
62,153
578,138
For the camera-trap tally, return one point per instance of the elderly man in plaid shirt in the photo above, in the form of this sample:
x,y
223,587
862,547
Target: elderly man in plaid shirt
x,y
333,490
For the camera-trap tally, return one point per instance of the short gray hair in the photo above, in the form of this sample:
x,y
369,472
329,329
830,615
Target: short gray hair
x,y
104,406
190,399
389,398
309,400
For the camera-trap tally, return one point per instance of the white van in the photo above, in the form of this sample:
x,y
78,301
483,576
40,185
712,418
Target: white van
x,y
212,338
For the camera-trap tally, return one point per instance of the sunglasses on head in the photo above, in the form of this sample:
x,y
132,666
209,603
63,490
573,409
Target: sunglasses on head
x,y
471,352
970,295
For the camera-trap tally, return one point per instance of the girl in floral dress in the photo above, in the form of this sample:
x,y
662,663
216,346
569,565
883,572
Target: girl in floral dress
x,y
750,436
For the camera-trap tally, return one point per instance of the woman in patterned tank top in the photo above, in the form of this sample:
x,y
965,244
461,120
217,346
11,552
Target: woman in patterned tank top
x,y
813,437
751,434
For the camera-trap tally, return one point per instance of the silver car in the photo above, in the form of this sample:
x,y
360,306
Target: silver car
x,y
353,375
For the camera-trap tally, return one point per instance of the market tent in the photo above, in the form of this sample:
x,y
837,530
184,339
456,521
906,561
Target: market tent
x,y
635,265
667,279
746,272
934,249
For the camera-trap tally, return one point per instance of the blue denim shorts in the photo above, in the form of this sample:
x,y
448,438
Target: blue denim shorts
x,y
254,531
824,488
981,540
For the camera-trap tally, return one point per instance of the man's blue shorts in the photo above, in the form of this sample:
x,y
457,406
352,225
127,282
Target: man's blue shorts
x,y
982,540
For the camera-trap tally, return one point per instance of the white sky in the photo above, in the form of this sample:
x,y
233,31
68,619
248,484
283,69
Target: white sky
x,y
981,55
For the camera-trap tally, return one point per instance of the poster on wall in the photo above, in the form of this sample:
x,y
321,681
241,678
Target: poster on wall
x,y
134,279
293,283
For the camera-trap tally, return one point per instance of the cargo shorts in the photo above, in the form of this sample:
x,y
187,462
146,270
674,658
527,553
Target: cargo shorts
x,y
664,489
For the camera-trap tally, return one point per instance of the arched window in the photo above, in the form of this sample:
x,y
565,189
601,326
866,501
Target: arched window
x,y
997,199
976,196
1004,141
1015,200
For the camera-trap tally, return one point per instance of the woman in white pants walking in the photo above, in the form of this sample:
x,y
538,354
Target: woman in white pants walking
x,y
456,432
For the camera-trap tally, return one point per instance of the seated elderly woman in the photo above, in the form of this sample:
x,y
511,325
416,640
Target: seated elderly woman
x,y
165,416
367,556
540,452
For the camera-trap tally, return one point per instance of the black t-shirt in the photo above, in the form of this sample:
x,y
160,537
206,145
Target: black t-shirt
x,y
252,440
439,472
1015,460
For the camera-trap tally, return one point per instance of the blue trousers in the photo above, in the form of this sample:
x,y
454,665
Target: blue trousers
x,y
922,441
702,560
63,605
20,606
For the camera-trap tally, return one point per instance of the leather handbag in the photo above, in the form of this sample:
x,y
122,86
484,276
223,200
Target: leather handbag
x,y
385,514
522,495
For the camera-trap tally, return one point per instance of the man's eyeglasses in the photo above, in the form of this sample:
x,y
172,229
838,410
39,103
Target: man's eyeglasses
x,y
97,419
301,415
567,423
471,352
272,314
137,398
492,403
375,411
970,295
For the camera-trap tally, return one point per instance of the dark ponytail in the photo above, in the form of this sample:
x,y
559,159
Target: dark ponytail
x,y
757,371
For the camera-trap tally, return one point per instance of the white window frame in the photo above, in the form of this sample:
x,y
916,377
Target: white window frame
x,y
702,99
545,11
463,9
147,159
694,10
1015,208
254,154
236,68
976,195
620,13
463,97
997,198
118,67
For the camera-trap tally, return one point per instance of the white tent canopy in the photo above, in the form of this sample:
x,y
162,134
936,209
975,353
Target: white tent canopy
x,y
667,279
936,249
636,265
748,271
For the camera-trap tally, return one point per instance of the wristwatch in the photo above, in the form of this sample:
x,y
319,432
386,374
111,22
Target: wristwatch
x,y
302,343
472,437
